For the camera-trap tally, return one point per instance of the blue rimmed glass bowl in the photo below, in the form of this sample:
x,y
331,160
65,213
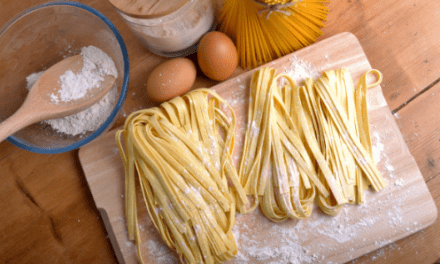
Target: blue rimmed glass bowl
x,y
36,39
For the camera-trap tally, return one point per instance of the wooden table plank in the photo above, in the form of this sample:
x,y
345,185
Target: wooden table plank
x,y
400,38
420,121
47,213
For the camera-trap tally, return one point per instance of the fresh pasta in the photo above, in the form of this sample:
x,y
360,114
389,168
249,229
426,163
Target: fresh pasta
x,y
181,153
307,141
302,144
276,169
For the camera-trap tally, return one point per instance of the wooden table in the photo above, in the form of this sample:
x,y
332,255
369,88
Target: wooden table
x,y
47,214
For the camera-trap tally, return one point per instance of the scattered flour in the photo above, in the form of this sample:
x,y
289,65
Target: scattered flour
x,y
238,97
301,70
287,249
308,241
378,147
378,154
399,182
161,253
74,86
389,167
342,231
289,252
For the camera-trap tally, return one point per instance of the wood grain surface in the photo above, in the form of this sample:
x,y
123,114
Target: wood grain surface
x,y
402,208
48,214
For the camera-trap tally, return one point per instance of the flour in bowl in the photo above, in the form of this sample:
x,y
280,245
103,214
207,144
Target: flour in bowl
x,y
74,86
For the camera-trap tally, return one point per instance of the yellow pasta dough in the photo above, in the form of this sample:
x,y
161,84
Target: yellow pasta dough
x,y
276,168
302,143
181,153
307,141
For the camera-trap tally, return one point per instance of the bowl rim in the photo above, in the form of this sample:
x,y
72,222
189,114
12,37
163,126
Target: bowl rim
x,y
19,143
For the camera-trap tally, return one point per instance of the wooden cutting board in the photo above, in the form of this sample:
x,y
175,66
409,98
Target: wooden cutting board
x,y
405,206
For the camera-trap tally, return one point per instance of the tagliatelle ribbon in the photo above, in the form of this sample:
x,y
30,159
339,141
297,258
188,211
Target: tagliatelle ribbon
x,y
181,152
306,141
302,143
276,168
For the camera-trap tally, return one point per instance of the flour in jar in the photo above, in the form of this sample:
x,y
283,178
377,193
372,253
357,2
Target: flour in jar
x,y
97,64
176,32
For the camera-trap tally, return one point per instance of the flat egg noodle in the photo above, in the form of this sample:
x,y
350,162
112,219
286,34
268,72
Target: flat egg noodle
x,y
275,166
323,123
335,154
333,95
338,154
255,158
361,155
362,109
309,120
185,174
333,151
362,119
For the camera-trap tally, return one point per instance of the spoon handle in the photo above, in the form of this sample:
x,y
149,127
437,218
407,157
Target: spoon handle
x,y
20,119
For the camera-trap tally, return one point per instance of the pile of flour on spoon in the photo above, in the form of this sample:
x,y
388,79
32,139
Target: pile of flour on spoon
x,y
97,64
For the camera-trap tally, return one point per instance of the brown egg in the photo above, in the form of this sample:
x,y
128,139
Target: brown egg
x,y
217,56
170,79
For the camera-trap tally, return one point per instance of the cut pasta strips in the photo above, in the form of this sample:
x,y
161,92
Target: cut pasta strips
x,y
181,153
306,142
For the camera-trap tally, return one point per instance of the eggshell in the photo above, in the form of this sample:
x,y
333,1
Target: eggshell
x,y
170,79
217,56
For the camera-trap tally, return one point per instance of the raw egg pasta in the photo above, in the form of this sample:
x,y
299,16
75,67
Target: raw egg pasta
x,y
181,152
307,141
350,133
276,169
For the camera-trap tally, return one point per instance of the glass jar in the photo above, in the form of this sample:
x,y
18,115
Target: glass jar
x,y
175,32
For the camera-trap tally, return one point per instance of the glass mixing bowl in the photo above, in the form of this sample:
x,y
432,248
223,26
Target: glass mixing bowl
x,y
36,39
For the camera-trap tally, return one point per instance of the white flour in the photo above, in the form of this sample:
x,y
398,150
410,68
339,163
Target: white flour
x,y
378,147
301,70
74,86
161,253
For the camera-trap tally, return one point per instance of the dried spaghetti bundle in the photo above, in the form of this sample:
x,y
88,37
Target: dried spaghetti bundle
x,y
266,30
181,152
306,141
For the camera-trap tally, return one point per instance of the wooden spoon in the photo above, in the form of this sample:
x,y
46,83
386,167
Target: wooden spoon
x,y
39,105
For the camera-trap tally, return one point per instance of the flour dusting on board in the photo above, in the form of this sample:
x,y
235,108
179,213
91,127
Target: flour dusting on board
x,y
301,70
308,241
378,147
161,253
289,250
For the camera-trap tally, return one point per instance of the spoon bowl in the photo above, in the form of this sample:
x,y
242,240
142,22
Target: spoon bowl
x,y
40,104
